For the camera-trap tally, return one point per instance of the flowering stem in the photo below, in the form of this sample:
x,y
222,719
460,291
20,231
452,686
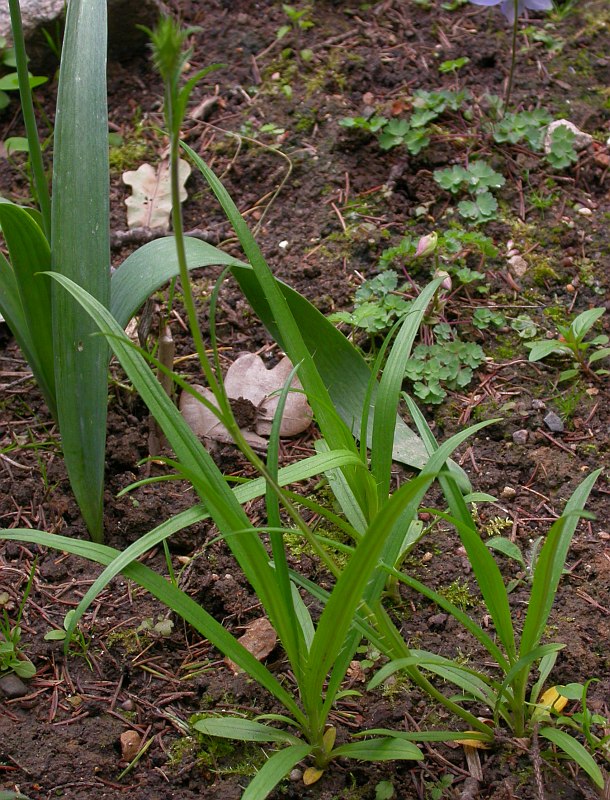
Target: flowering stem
x,y
511,74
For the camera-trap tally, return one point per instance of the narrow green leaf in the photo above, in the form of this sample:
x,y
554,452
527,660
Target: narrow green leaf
x,y
550,564
173,598
387,749
29,254
389,390
244,730
505,546
276,768
573,748
80,247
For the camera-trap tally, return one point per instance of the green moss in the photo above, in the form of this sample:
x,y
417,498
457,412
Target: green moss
x,y
543,273
459,594
128,155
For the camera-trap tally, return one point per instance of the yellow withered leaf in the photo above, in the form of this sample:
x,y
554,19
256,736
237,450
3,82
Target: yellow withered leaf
x,y
312,775
478,744
551,699
330,734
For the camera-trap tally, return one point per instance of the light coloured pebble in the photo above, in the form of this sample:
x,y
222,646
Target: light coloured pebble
x,y
296,775
508,492
584,211
518,265
521,436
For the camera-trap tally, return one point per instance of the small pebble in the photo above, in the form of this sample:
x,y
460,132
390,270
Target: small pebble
x,y
538,405
584,211
296,775
130,744
12,686
437,622
128,705
508,492
521,436
553,422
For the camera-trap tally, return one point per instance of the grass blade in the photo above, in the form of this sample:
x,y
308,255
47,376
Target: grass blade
x,y
389,390
276,768
244,730
573,748
173,598
550,565
80,246
390,748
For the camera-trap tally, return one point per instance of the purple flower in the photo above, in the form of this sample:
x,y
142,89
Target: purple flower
x,y
507,7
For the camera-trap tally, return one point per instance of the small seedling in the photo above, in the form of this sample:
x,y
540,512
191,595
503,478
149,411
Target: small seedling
x,y
79,641
484,318
453,65
477,177
528,126
562,152
524,326
447,364
12,658
571,342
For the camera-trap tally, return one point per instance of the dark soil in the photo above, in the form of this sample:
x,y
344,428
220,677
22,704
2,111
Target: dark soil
x,y
342,200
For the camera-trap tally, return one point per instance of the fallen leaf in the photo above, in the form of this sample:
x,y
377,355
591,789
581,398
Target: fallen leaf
x,y
259,639
150,204
312,775
254,392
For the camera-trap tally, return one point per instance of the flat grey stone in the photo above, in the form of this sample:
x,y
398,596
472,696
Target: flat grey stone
x,y
124,38
553,422
12,686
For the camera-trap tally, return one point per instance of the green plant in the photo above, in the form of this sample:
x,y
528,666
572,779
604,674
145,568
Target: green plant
x,y
526,561
299,19
453,65
319,654
413,132
594,728
12,658
528,126
562,152
9,82
571,342
512,701
446,363
78,640
478,178
484,318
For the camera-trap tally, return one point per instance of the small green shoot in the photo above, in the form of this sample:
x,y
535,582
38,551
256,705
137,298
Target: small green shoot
x,y
12,658
571,342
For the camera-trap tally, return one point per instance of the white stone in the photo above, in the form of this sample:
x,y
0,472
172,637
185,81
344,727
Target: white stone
x,y
518,265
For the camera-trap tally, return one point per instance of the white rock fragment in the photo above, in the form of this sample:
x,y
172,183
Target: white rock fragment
x,y
581,139
518,265
584,211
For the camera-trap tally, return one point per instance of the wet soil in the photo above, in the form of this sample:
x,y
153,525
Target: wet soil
x,y
325,202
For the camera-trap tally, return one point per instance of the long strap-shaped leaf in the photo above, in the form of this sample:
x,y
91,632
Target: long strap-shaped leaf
x,y
80,245
172,597
196,463
29,253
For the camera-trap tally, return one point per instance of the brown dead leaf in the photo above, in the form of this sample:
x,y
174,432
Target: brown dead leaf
x,y
259,639
250,382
